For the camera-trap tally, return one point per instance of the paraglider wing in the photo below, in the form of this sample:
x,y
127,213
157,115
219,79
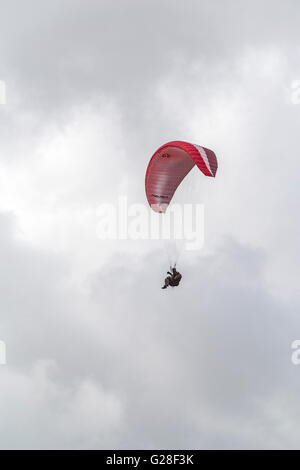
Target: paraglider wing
x,y
168,167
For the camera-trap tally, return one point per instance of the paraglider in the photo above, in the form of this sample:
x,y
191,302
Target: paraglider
x,y
168,166
173,279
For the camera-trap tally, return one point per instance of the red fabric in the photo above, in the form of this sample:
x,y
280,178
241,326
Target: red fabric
x,y
169,165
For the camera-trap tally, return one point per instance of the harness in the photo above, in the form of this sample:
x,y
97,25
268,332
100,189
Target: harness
x,y
174,281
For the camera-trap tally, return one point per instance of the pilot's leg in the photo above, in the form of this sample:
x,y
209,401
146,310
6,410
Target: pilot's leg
x,y
167,282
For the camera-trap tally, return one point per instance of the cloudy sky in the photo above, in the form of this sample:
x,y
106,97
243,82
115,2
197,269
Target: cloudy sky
x,y
98,356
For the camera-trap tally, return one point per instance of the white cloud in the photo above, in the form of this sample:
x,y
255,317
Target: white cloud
x,y
40,411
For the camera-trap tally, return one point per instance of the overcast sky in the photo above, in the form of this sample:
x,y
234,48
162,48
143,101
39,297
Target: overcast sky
x,y
98,356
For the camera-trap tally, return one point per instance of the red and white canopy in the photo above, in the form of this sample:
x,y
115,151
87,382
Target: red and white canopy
x,y
169,165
